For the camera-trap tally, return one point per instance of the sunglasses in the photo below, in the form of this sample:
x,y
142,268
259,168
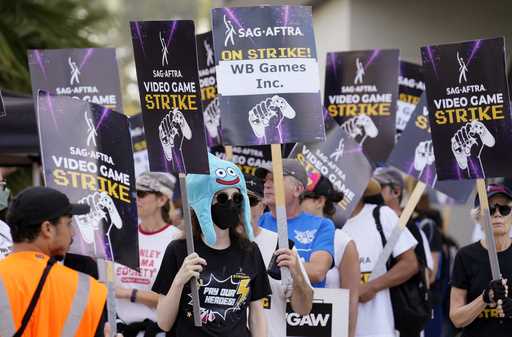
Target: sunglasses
x,y
222,198
254,200
504,209
143,194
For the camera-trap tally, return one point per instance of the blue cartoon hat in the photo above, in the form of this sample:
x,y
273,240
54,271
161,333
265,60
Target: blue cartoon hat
x,y
201,188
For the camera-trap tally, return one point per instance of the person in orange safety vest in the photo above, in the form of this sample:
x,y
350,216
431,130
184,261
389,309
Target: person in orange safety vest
x,y
69,303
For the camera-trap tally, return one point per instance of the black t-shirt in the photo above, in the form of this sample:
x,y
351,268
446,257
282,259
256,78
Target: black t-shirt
x,y
231,280
472,272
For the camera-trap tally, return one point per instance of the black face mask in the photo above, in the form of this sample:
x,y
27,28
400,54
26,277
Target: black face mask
x,y
374,199
226,215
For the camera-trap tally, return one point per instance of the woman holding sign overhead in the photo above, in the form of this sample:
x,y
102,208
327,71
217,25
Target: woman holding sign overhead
x,y
474,295
230,270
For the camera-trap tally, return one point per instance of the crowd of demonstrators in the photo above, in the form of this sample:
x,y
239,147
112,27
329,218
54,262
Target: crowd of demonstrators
x,y
313,236
345,273
374,295
62,301
229,267
226,217
299,293
136,303
479,305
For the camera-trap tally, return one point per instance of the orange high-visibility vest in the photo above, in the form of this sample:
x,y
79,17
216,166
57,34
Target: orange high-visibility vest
x,y
71,303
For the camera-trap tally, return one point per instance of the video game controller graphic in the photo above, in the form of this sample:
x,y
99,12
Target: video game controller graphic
x,y
172,130
360,126
471,134
269,114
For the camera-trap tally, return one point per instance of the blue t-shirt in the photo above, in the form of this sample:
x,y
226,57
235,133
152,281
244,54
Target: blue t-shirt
x,y
309,233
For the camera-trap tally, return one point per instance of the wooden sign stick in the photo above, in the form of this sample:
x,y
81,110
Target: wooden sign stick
x,y
189,236
282,221
380,266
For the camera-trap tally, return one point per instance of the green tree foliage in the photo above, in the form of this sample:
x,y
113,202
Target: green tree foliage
x,y
42,24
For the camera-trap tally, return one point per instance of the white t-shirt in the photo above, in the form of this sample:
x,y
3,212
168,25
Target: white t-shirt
x,y
341,240
5,240
151,252
275,304
375,316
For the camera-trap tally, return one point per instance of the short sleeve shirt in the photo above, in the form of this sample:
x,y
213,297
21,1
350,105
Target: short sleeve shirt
x,y
309,233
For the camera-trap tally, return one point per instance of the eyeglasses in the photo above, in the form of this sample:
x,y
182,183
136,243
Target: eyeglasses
x,y
143,194
222,198
504,209
253,200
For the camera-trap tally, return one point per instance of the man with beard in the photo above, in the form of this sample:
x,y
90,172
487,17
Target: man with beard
x,y
37,295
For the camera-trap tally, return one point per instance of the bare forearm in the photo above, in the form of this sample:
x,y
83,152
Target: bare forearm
x,y
257,321
315,273
401,272
352,283
464,315
168,306
302,295
148,298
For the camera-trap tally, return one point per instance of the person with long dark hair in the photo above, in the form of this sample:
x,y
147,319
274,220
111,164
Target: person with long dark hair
x,y
229,268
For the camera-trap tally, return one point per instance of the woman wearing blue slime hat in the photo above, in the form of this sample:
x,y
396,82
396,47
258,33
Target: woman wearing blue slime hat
x,y
229,267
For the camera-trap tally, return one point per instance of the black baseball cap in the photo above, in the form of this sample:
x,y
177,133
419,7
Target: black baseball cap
x,y
34,205
254,185
495,189
324,188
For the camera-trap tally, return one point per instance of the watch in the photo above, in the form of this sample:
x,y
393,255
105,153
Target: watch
x,y
133,296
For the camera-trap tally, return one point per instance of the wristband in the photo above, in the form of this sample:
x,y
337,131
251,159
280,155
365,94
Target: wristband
x,y
133,296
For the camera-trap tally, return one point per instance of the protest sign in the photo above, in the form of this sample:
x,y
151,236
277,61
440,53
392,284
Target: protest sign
x,y
267,75
414,155
328,316
208,84
140,150
171,107
248,158
470,117
89,74
86,153
361,89
339,159
469,108
166,63
410,88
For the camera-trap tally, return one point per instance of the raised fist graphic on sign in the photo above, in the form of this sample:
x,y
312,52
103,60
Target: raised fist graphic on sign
x,y
269,114
361,126
172,129
211,116
473,134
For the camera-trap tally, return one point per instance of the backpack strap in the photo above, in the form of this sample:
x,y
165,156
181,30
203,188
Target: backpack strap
x,y
378,223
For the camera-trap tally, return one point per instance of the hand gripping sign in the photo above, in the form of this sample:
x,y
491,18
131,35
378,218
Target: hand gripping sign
x,y
470,116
